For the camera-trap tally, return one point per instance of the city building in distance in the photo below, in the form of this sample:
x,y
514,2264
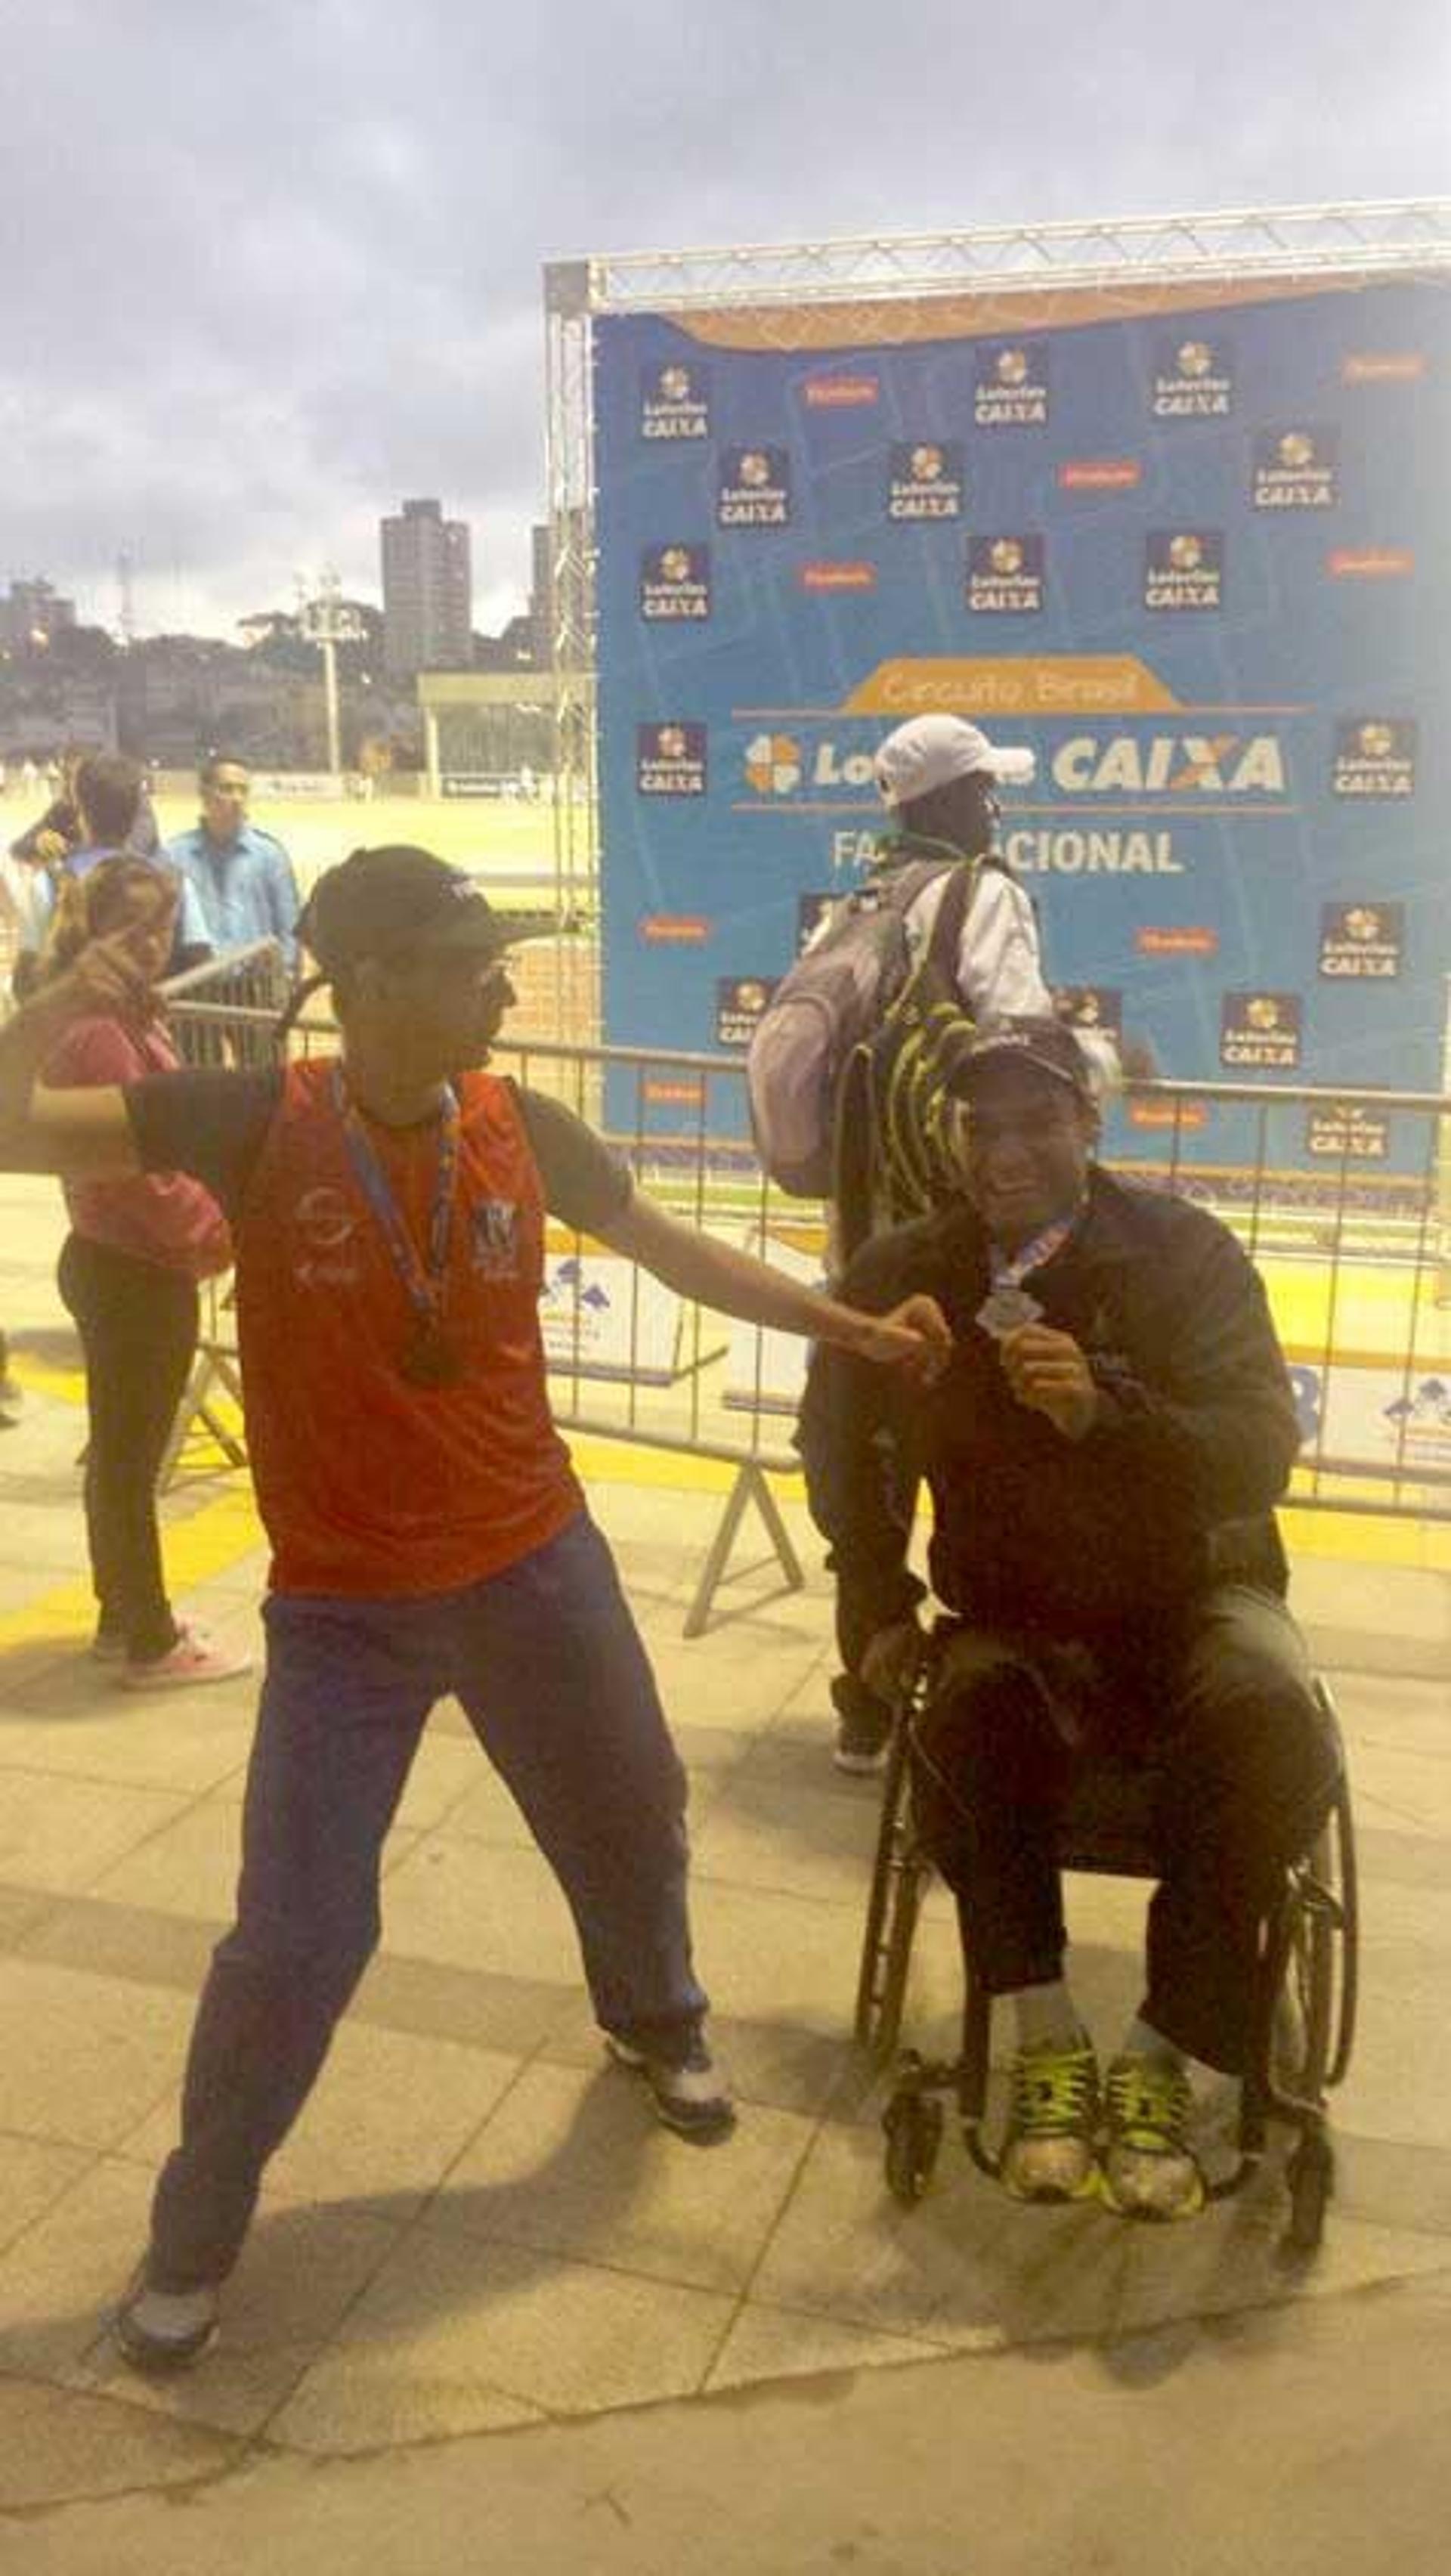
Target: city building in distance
x,y
427,592
32,614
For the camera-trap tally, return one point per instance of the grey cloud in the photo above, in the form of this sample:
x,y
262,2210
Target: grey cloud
x,y
269,270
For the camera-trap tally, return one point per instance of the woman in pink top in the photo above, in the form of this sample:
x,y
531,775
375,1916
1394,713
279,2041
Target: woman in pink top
x,y
128,1273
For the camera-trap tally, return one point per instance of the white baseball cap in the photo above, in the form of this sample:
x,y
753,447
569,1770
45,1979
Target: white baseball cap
x,y
930,751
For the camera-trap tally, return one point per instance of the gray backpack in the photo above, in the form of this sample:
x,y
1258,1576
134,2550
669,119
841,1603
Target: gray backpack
x,y
835,998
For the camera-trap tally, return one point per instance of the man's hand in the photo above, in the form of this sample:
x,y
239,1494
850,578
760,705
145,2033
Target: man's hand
x,y
48,848
914,1337
889,1665
1049,1373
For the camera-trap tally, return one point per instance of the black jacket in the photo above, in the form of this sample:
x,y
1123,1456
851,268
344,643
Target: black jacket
x,y
1171,1489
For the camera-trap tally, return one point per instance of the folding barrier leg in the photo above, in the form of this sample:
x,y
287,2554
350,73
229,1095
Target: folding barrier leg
x,y
750,1487
210,1366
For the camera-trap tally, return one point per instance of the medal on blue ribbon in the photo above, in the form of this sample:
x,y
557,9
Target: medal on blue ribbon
x,y
430,1357
1009,1306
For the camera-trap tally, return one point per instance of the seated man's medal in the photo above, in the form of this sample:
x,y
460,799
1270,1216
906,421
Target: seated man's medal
x,y
1008,1305
1006,1310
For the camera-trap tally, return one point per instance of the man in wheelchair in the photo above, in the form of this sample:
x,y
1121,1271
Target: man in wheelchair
x,y
1103,1455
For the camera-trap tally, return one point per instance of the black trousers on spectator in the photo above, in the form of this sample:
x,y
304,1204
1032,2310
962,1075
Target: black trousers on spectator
x,y
138,1329
1217,1700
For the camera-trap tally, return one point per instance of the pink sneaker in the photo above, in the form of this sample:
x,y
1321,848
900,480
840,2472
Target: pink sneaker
x,y
194,1658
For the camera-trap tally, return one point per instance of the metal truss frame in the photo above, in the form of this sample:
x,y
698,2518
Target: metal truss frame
x,y
1395,237
1284,241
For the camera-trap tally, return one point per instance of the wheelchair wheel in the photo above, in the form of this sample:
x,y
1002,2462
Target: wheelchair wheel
x,y
1334,1864
891,1913
1342,1829
897,1956
913,2123
1305,2010
1311,2177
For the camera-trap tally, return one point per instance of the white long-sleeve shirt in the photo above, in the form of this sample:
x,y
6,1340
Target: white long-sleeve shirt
x,y
999,965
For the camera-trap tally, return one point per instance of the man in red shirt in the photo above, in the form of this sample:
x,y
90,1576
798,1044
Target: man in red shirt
x,y
428,1533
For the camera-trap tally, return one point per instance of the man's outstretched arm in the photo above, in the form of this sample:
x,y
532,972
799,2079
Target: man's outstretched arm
x,y
715,1274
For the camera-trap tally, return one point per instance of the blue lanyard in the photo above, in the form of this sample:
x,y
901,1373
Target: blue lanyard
x,y
1007,1271
426,1288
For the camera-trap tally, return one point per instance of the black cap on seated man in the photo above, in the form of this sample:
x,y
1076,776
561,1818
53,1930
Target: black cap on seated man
x,y
1026,1045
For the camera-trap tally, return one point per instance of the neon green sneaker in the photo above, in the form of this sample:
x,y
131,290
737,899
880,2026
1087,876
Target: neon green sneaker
x,y
1149,2168
1050,2152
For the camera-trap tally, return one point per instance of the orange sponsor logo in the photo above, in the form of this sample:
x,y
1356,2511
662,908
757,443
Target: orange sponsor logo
x,y
673,1095
838,576
1383,367
840,393
1191,942
675,929
1168,1113
1370,563
1100,474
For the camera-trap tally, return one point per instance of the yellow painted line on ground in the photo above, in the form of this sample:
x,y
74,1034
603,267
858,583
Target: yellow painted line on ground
x,y
1367,1538
207,1543
68,1384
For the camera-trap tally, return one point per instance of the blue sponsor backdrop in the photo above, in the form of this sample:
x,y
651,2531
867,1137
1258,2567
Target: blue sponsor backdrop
x,y
1198,559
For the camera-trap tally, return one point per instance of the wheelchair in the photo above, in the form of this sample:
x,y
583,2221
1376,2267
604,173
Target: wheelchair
x,y
1303,2020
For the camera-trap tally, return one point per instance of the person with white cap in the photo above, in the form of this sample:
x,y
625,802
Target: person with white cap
x,y
938,776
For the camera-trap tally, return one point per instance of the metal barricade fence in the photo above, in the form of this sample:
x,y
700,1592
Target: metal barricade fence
x,y
223,1013
1355,1251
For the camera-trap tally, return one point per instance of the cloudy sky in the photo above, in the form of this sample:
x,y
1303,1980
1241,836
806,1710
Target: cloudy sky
x,y
270,268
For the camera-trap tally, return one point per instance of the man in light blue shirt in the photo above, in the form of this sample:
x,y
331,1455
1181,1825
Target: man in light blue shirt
x,y
242,878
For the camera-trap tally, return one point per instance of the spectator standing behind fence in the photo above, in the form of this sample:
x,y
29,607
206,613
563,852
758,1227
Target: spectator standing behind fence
x,y
108,791
428,1532
938,777
241,876
61,828
128,1274
38,852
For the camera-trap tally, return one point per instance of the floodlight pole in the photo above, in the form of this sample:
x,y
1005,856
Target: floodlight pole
x,y
328,621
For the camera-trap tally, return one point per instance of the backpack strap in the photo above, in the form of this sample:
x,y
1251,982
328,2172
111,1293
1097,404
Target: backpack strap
x,y
854,1155
946,938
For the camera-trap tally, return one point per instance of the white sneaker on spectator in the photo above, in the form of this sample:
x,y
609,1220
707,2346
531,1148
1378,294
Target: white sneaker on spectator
x,y
195,1657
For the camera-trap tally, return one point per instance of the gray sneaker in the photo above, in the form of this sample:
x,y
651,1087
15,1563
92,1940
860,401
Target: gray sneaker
x,y
693,2098
161,2330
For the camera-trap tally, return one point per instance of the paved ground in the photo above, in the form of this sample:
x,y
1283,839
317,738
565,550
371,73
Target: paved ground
x,y
489,2307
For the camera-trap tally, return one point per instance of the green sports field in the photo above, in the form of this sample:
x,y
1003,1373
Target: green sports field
x,y
508,843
